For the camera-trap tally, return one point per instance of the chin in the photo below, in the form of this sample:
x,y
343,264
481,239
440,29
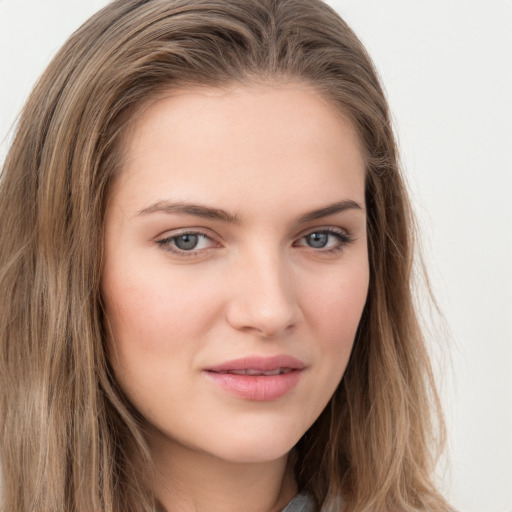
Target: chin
x,y
257,447
255,454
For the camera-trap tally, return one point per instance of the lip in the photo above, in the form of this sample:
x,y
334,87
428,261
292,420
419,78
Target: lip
x,y
259,363
257,387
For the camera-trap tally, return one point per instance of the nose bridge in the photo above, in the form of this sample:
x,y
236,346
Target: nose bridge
x,y
263,298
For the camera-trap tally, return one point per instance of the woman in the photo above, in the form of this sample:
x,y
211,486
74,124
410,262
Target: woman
x,y
206,263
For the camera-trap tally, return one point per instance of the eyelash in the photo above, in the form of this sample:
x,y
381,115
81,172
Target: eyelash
x,y
342,237
166,242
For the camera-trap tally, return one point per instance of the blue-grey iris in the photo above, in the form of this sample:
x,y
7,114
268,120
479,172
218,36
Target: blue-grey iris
x,y
186,242
317,240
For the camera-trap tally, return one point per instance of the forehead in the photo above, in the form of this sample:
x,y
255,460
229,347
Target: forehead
x,y
231,143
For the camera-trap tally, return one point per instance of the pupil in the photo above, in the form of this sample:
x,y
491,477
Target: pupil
x,y
186,242
317,240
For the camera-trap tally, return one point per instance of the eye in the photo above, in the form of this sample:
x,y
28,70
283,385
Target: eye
x,y
325,240
186,243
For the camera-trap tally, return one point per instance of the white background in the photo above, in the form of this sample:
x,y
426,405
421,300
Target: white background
x,y
447,69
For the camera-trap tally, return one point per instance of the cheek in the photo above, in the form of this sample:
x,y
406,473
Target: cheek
x,y
335,306
332,310
335,312
150,309
157,323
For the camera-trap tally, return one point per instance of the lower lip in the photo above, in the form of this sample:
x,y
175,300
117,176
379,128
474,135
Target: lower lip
x,y
258,388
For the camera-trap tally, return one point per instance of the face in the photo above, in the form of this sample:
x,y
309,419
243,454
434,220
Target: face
x,y
236,266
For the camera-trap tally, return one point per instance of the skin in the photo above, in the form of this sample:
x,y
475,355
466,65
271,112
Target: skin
x,y
254,285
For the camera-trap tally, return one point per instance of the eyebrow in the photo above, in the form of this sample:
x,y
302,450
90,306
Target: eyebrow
x,y
195,210
332,209
206,212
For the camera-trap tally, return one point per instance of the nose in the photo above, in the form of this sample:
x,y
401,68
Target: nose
x,y
263,300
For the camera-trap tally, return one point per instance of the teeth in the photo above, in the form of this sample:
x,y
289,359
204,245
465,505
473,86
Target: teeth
x,y
250,371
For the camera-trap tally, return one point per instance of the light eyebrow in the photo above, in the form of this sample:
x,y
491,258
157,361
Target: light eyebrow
x,y
332,209
195,210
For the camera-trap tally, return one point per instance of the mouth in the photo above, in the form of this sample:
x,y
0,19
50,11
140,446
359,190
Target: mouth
x,y
257,365
253,372
257,378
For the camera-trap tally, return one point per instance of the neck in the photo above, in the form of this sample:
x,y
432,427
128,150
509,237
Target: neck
x,y
187,480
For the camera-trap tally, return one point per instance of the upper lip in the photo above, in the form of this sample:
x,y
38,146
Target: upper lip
x,y
259,363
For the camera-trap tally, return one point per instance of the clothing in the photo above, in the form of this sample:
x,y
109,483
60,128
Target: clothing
x,y
304,503
301,503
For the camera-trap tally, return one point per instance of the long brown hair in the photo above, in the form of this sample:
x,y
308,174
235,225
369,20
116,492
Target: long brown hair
x,y
69,441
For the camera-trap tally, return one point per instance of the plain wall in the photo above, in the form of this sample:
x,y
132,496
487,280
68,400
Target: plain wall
x,y
447,69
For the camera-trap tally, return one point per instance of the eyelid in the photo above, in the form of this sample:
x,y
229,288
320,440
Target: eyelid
x,y
164,241
344,238
323,227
